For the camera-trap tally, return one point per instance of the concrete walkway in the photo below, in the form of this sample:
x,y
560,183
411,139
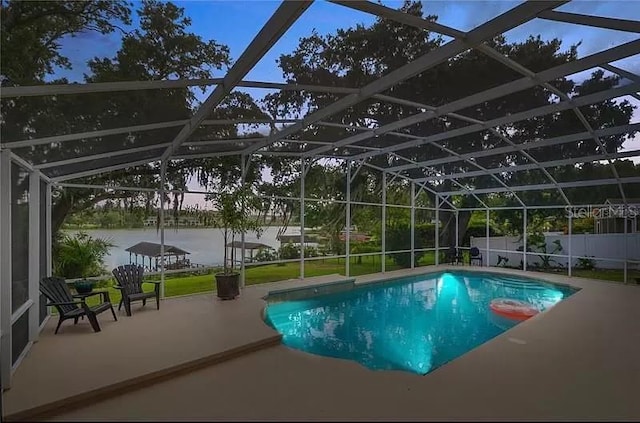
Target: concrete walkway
x,y
77,366
579,360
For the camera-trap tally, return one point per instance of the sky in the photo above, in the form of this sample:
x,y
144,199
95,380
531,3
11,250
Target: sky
x,y
235,23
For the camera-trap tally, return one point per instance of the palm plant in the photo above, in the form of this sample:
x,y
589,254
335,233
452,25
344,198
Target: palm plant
x,y
80,256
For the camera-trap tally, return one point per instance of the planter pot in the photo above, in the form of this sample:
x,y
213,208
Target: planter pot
x,y
228,285
83,286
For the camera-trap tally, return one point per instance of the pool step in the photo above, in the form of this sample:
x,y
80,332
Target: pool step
x,y
511,283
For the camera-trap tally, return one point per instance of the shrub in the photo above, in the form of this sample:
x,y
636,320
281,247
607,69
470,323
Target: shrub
x,y
289,251
310,252
586,263
80,256
426,233
582,226
364,247
266,254
398,237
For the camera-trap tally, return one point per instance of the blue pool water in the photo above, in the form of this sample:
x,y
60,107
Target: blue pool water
x,y
414,324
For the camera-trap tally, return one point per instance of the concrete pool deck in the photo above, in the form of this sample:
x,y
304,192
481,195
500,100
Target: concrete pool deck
x,y
578,360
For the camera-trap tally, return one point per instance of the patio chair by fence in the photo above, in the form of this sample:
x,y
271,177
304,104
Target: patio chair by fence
x,y
453,256
475,255
71,306
129,282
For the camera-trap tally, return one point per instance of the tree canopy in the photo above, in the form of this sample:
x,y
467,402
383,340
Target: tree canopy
x,y
164,46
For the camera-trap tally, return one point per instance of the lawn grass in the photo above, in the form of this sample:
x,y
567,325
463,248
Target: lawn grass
x,y
615,275
194,284
199,283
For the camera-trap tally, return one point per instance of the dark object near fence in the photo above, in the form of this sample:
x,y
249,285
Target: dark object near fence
x,y
71,306
502,260
453,256
129,282
475,255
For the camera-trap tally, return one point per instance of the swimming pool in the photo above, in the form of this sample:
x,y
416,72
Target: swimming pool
x,y
414,324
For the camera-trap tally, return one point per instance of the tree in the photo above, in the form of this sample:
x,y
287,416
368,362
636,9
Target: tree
x,y
33,30
359,55
162,47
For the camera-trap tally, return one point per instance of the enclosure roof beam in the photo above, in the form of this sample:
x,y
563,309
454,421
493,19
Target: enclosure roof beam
x,y
624,73
564,139
237,140
532,166
579,65
535,207
100,156
110,187
563,96
469,161
194,155
281,20
124,86
540,187
92,134
220,141
398,175
527,73
131,129
398,16
215,122
616,53
529,157
512,18
418,22
125,188
101,87
423,185
516,117
98,171
596,21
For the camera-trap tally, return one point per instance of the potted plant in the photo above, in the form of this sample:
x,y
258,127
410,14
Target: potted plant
x,y
235,216
83,286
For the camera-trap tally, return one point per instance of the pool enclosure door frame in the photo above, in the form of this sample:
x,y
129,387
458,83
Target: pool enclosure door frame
x,y
25,217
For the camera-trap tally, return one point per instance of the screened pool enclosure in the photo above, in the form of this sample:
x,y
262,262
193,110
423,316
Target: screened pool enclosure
x,y
448,181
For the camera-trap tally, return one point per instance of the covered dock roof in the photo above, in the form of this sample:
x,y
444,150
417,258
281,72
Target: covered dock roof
x,y
151,249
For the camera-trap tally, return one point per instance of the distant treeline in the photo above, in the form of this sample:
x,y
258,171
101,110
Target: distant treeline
x,y
118,217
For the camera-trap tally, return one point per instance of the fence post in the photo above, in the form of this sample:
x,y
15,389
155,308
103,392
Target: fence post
x,y
413,224
570,241
626,247
457,235
163,178
302,174
384,221
347,234
437,229
487,238
243,174
524,239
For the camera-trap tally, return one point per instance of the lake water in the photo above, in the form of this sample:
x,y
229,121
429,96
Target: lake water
x,y
204,244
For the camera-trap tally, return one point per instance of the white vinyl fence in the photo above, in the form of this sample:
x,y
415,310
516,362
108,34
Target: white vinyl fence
x,y
608,250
